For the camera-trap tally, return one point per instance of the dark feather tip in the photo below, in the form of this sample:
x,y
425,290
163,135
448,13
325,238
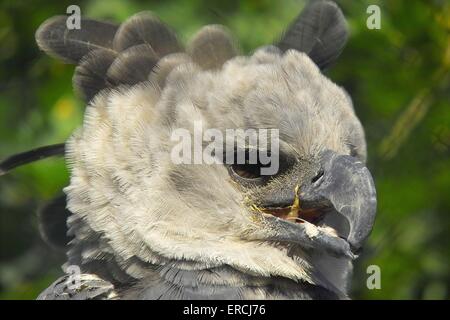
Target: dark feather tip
x,y
26,157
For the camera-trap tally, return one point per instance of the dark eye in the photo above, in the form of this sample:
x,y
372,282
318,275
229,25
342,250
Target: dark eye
x,y
250,173
247,175
247,171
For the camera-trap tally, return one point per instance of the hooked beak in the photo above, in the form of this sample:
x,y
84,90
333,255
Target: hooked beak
x,y
348,185
344,189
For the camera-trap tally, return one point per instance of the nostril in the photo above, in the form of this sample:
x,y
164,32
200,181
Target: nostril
x,y
317,176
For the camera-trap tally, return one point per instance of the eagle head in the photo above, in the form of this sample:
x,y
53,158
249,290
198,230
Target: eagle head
x,y
203,158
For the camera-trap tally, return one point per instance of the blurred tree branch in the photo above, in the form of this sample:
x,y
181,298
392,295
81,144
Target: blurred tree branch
x,y
415,111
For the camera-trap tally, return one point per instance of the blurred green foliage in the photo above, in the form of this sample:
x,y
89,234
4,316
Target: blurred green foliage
x,y
398,78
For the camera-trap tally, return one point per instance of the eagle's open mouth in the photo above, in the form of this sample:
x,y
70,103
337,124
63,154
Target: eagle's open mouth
x,y
296,214
305,227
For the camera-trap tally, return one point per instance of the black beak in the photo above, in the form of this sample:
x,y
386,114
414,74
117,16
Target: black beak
x,y
348,186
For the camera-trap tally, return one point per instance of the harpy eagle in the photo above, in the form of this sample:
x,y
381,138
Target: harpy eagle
x,y
143,227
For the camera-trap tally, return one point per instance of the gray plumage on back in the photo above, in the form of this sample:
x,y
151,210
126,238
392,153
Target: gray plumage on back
x,y
144,227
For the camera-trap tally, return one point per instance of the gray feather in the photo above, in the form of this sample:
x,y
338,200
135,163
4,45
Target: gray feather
x,y
220,283
71,45
52,218
90,287
90,74
30,156
132,65
166,65
320,31
212,46
146,28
